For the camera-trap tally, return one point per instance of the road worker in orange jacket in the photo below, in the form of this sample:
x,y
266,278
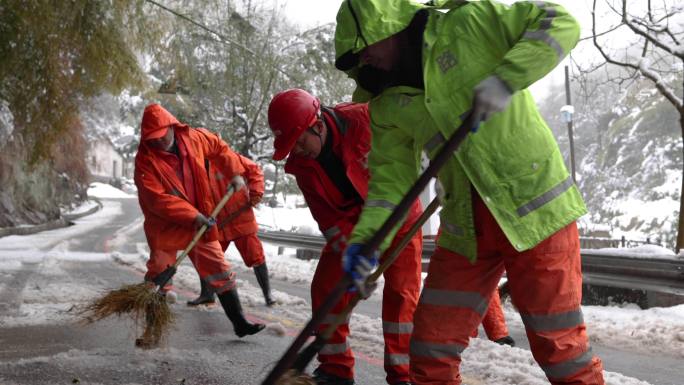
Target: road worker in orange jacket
x,y
237,224
327,149
175,196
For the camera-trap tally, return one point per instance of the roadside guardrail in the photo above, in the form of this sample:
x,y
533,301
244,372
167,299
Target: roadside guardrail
x,y
664,275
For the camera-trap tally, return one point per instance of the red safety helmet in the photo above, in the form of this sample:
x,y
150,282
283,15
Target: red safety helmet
x,y
290,113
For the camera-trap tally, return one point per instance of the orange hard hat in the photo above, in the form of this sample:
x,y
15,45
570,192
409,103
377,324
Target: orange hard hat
x,y
290,113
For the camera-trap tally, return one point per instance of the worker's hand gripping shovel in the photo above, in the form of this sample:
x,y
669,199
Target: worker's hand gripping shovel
x,y
440,159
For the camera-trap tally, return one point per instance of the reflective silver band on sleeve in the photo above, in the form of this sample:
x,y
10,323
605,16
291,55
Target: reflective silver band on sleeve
x,y
541,34
380,203
331,232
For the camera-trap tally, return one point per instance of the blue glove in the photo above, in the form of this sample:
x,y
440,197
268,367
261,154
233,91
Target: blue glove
x,y
359,267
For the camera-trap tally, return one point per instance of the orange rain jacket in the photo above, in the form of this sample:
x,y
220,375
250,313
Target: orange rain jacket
x,y
244,223
169,215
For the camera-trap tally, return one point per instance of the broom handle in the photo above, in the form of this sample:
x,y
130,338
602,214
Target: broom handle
x,y
204,228
444,154
306,355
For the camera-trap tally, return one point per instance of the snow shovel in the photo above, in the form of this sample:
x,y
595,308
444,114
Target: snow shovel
x,y
308,353
444,154
142,300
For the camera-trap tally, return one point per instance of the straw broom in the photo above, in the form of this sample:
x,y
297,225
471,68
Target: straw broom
x,y
145,302
296,375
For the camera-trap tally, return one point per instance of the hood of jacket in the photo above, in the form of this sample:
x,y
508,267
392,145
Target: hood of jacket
x,y
155,118
361,23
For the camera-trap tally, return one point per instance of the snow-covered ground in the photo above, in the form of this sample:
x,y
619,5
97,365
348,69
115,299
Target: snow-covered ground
x,y
103,190
656,330
82,208
643,251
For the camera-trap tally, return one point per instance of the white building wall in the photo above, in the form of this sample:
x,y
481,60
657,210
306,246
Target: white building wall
x,y
103,161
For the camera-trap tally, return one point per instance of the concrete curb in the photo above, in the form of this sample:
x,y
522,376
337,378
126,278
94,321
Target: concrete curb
x,y
64,221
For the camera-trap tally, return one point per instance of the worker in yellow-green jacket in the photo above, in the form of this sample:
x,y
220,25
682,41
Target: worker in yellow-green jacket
x,y
510,203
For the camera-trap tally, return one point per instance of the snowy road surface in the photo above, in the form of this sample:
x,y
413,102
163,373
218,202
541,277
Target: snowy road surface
x,y
44,275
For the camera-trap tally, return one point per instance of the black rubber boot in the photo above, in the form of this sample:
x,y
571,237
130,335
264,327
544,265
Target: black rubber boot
x,y
231,305
508,340
206,296
261,273
323,378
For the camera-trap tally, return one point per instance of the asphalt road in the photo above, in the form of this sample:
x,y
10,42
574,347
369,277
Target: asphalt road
x,y
201,350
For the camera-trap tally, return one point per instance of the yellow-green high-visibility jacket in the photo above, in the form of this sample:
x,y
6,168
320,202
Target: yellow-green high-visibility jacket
x,y
513,160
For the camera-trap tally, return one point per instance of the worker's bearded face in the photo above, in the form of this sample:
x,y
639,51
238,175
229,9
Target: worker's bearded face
x,y
165,143
379,65
375,80
383,55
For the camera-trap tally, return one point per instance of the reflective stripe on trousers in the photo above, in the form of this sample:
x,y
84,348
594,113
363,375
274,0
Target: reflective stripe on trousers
x,y
455,291
400,297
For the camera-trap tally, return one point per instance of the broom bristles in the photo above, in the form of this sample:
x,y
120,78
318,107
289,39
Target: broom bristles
x,y
146,307
293,377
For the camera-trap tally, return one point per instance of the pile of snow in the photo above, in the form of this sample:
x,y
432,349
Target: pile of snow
x,y
102,190
656,330
643,251
286,219
81,208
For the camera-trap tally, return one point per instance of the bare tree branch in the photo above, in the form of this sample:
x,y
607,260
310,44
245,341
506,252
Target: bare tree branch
x,y
653,39
606,57
643,67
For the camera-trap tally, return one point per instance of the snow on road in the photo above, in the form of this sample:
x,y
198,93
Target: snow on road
x,y
103,190
658,330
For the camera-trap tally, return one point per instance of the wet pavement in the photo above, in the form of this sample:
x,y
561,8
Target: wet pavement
x,y
202,349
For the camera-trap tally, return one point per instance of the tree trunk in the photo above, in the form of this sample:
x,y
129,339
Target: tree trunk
x,y
680,227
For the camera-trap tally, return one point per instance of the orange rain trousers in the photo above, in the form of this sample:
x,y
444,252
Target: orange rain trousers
x,y
250,248
494,321
545,285
399,300
207,257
